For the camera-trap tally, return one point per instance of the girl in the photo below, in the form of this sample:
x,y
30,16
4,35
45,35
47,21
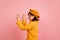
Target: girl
x,y
32,27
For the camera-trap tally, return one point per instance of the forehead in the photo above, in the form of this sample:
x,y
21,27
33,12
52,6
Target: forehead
x,y
30,15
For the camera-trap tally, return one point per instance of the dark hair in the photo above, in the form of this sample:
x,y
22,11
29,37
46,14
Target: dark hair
x,y
34,19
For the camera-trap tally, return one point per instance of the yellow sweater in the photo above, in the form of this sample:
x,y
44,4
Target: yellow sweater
x,y
32,29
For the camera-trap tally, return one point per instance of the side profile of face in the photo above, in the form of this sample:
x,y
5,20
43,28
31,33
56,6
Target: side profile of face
x,y
31,17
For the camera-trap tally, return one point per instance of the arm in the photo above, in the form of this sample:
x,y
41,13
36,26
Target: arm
x,y
22,26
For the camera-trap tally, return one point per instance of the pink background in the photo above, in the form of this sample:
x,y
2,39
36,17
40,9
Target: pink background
x,y
49,24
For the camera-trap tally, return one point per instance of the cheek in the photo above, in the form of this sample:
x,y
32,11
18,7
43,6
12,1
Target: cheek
x,y
30,17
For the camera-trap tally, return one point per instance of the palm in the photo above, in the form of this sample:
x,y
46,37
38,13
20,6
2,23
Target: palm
x,y
24,17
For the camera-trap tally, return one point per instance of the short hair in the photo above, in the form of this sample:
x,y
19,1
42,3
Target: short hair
x,y
34,19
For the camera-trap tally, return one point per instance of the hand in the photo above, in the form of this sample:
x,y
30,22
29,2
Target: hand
x,y
18,17
24,17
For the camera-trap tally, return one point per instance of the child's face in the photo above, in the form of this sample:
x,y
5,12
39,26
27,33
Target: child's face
x,y
31,17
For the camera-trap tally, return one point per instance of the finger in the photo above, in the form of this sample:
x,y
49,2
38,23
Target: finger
x,y
17,17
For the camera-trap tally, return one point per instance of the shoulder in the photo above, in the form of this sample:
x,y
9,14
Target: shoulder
x,y
34,22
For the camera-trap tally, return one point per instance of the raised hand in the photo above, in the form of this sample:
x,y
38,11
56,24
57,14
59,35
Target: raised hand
x,y
24,17
18,17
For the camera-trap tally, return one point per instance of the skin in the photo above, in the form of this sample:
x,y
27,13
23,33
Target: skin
x,y
31,17
24,17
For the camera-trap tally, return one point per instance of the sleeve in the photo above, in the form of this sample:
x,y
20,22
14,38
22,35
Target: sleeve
x,y
22,26
24,22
